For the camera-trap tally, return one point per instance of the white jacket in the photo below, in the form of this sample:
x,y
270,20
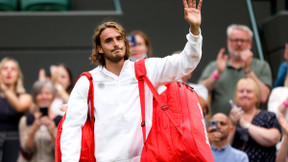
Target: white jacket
x,y
118,134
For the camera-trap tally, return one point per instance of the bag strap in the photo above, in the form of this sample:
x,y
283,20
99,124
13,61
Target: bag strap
x,y
90,98
140,72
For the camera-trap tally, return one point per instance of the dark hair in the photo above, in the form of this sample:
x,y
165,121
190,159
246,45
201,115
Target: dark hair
x,y
70,87
98,58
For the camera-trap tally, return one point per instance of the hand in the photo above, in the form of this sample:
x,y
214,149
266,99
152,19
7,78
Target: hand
x,y
49,123
213,136
286,52
283,124
42,75
247,57
235,115
192,15
221,61
63,107
243,123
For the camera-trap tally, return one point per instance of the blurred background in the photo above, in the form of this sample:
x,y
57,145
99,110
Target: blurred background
x,y
62,31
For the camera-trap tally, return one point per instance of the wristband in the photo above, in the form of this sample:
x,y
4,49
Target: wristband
x,y
285,104
214,75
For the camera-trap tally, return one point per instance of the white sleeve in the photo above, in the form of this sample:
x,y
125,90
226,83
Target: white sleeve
x,y
172,68
274,101
76,116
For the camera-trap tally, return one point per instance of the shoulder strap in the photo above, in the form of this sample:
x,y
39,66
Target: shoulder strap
x,y
90,98
140,72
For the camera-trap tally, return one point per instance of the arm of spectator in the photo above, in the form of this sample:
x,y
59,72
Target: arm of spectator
x,y
42,74
21,103
210,82
62,92
283,150
263,88
247,57
282,108
267,137
49,123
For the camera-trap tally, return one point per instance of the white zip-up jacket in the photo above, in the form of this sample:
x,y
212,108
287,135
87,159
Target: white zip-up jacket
x,y
118,133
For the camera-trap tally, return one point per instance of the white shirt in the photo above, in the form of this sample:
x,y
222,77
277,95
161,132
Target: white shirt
x,y
118,133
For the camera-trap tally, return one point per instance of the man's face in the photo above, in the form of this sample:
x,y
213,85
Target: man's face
x,y
223,125
238,42
112,45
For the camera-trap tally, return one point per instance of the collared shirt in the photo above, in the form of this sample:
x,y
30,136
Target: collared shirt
x,y
224,88
228,154
118,134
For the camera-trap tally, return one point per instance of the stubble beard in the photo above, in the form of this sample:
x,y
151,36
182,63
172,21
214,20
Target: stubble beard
x,y
114,58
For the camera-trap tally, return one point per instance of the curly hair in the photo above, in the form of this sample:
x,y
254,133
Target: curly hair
x,y
98,58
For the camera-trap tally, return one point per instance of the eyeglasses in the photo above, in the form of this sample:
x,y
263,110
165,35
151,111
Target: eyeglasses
x,y
239,40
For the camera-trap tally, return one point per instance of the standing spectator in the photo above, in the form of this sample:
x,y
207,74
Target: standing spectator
x,y
257,131
118,134
219,140
282,154
13,104
220,76
62,79
281,79
38,129
141,47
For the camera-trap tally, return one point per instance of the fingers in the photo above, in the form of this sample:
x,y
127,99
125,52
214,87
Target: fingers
x,y
199,5
185,4
192,3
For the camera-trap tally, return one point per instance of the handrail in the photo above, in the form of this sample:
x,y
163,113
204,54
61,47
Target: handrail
x,y
117,6
255,29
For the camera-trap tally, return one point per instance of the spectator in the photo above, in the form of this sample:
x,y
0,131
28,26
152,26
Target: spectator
x,y
141,46
281,79
282,154
278,99
38,129
62,79
221,76
219,140
118,136
13,104
257,131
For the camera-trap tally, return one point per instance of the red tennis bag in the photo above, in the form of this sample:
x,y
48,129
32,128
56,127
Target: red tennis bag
x,y
178,132
87,143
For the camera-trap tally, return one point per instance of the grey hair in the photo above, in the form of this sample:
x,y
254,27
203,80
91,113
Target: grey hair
x,y
239,27
38,86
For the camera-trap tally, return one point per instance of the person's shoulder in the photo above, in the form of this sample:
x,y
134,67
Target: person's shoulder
x,y
259,62
238,154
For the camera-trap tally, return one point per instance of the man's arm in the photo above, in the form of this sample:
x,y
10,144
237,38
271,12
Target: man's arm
x,y
210,81
76,116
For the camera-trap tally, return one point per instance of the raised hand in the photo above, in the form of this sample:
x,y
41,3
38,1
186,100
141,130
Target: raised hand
x,y
192,15
221,61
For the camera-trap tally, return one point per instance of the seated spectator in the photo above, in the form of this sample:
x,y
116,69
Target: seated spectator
x,y
257,131
14,102
282,154
282,72
38,129
220,76
140,46
62,79
219,139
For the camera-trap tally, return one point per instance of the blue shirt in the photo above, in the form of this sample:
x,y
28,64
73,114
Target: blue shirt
x,y
281,75
228,154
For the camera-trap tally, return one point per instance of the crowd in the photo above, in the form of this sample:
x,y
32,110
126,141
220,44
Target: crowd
x,y
232,91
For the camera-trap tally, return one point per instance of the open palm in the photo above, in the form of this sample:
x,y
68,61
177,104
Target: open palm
x,y
192,13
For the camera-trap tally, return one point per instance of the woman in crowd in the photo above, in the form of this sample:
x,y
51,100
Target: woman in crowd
x,y
62,79
141,45
257,131
38,128
13,104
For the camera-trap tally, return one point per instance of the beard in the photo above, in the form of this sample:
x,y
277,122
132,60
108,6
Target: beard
x,y
114,58
234,53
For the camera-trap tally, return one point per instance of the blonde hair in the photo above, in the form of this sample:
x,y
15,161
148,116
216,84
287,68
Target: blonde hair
x,y
255,88
19,86
98,58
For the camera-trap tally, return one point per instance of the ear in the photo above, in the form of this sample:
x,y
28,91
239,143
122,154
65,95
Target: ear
x,y
99,49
